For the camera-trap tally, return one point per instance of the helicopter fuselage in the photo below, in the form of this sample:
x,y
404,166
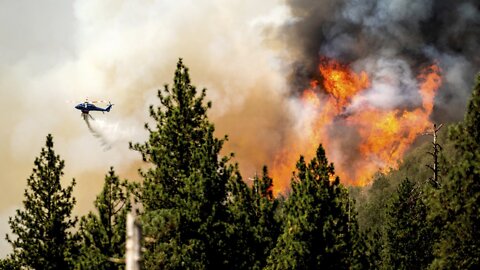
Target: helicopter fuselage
x,y
88,107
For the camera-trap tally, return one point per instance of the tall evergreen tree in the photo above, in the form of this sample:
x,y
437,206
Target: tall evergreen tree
x,y
368,250
371,214
9,264
456,207
184,191
241,224
408,236
267,226
43,238
318,232
102,235
253,223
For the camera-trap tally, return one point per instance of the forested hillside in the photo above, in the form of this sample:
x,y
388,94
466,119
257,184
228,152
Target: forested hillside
x,y
197,212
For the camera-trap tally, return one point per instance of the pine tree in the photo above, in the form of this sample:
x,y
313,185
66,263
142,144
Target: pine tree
x,y
44,240
372,211
368,250
184,191
318,232
253,225
9,264
241,224
456,207
408,235
267,226
102,235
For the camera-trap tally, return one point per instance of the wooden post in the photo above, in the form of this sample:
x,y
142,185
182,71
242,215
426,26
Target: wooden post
x,y
133,243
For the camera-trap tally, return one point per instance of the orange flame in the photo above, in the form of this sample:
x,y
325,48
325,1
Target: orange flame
x,y
342,83
381,136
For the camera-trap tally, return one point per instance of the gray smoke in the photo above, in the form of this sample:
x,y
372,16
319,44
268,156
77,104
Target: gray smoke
x,y
402,35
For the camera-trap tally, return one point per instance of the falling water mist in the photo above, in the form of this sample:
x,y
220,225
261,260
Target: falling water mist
x,y
96,132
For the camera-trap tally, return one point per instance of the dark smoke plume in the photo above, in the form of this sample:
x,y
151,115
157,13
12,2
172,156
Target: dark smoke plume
x,y
405,35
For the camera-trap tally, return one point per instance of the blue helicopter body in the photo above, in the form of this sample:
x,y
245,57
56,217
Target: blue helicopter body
x,y
87,107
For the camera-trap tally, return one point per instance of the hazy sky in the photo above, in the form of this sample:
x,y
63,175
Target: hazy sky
x,y
53,51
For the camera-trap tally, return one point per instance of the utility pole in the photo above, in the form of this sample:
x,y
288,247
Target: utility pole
x,y
436,150
133,242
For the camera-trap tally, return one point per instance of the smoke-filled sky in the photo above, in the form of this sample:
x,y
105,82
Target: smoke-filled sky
x,y
123,51
252,56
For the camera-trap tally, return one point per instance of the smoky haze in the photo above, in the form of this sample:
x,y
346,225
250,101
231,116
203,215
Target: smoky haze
x,y
123,51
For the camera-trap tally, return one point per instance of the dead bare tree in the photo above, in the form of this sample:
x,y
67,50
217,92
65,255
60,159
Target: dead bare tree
x,y
436,151
133,243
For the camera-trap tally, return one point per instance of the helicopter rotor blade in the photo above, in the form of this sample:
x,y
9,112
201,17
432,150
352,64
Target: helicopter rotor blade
x,y
99,101
73,101
88,101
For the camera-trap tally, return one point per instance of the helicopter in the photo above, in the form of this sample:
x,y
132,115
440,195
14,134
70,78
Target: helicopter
x,y
86,107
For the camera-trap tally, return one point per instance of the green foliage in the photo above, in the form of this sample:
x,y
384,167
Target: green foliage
x,y
450,230
185,188
241,225
254,227
318,230
102,235
267,226
368,250
456,206
372,200
43,238
181,143
372,204
408,237
198,213
9,263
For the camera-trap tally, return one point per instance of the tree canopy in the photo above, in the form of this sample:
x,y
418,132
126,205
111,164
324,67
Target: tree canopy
x,y
318,231
184,191
43,237
198,212
102,234
456,207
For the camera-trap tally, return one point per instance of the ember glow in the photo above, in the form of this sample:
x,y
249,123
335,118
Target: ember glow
x,y
342,119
